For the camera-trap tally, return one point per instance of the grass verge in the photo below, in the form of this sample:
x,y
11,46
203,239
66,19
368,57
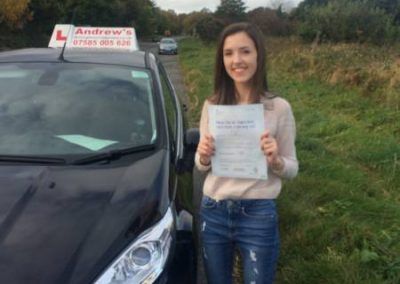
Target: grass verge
x,y
340,218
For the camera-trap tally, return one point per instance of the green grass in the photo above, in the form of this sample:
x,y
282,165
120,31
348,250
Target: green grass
x,y
340,218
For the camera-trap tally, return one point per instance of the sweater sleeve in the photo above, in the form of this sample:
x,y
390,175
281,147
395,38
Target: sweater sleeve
x,y
203,130
286,136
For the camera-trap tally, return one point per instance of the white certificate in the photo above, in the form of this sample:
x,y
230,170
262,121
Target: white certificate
x,y
237,131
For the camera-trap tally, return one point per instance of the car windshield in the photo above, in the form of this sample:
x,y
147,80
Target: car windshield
x,y
72,108
168,41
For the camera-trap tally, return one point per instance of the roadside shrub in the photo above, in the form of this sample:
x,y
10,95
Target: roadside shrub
x,y
353,21
14,39
270,21
209,28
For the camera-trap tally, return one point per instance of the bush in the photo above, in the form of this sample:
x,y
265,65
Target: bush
x,y
209,28
270,21
353,21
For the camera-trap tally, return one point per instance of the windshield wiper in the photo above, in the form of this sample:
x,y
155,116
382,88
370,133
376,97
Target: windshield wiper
x,y
32,160
112,155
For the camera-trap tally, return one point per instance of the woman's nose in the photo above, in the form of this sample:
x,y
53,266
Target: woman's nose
x,y
236,57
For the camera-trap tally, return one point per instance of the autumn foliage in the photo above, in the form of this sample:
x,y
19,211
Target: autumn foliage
x,y
14,13
351,21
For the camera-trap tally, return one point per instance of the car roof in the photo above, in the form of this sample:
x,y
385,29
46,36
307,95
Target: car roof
x,y
134,58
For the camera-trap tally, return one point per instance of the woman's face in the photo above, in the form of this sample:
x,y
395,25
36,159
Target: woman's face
x,y
240,57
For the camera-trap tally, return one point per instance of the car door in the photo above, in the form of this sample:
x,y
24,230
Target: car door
x,y
175,127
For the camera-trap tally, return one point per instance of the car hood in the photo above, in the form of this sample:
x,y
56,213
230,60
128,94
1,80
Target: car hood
x,y
66,224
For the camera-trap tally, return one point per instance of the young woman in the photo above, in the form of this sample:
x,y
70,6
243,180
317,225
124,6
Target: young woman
x,y
241,213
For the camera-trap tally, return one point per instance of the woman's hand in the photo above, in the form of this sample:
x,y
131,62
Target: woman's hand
x,y
206,149
269,146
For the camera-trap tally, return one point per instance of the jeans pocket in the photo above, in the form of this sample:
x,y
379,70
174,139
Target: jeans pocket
x,y
260,209
208,203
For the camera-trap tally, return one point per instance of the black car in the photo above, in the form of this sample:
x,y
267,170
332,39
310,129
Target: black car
x,y
95,170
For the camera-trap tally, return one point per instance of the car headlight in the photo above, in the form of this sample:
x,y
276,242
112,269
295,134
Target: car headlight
x,y
144,260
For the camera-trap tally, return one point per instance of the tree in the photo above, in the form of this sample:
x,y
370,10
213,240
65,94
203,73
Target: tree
x,y
301,12
45,14
139,14
230,11
208,28
283,5
167,21
171,22
92,12
14,13
191,20
271,22
142,16
350,21
391,7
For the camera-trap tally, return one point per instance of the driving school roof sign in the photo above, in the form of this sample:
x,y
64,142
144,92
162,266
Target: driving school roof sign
x,y
94,37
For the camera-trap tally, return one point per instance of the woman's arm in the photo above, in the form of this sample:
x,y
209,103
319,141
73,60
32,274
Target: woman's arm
x,y
280,150
286,136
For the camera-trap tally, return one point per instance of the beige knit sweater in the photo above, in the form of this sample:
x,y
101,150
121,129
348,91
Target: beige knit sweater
x,y
279,120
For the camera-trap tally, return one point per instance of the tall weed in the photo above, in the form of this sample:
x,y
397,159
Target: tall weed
x,y
374,71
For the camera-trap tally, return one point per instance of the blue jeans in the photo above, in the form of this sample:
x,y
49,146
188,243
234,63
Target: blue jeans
x,y
249,225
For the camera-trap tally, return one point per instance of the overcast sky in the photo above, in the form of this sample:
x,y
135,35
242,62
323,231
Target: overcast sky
x,y
187,6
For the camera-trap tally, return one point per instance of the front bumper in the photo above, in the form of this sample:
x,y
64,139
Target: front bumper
x,y
168,51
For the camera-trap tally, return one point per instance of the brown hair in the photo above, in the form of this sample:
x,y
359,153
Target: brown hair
x,y
224,89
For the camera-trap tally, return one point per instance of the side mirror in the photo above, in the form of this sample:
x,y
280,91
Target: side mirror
x,y
192,138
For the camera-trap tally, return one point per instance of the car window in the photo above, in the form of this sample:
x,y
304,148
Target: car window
x,y
71,108
170,106
169,41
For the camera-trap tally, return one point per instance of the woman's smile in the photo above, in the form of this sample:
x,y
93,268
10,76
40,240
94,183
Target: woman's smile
x,y
239,69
